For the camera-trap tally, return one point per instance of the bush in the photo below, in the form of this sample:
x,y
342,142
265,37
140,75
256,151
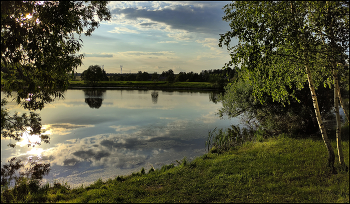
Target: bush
x,y
275,118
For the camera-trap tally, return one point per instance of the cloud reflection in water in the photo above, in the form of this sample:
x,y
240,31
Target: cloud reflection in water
x,y
129,131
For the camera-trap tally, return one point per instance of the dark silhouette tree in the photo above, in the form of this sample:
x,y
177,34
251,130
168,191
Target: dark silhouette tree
x,y
39,48
93,75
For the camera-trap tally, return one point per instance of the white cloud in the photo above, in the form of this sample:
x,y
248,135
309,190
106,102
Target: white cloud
x,y
98,55
183,36
168,42
123,30
63,128
120,128
212,44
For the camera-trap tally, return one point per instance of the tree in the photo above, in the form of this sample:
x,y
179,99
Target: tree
x,y
93,75
155,76
39,48
170,76
279,49
273,117
181,77
104,76
330,20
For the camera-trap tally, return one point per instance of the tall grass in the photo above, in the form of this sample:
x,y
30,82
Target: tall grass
x,y
234,136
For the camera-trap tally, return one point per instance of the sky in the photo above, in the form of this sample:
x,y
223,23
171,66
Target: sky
x,y
158,36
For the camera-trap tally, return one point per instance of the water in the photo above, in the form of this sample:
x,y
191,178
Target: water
x,y
105,133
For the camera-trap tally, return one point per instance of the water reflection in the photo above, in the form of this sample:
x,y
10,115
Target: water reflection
x,y
26,128
154,95
128,133
94,97
214,96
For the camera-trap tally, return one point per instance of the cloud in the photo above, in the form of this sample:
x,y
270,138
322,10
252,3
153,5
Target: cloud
x,y
97,55
147,24
123,30
70,162
201,19
212,43
90,154
63,128
140,53
120,128
168,42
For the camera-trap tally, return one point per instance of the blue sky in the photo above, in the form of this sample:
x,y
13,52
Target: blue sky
x,y
158,36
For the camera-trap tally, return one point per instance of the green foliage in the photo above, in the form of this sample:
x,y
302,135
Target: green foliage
x,y
14,126
94,74
170,76
155,76
274,117
41,51
166,167
143,171
142,76
278,38
151,170
233,137
183,162
38,57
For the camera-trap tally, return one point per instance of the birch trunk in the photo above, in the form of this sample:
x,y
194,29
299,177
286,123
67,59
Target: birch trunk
x,y
336,88
331,156
338,128
341,102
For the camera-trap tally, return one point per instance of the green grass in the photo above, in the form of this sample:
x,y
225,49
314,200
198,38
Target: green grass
x,y
147,84
280,169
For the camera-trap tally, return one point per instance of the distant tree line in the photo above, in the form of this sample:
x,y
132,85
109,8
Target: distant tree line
x,y
215,75
94,74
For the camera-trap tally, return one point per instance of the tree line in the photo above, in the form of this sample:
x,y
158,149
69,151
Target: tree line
x,y
95,73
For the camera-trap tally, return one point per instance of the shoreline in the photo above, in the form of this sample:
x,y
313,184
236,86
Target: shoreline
x,y
147,85
145,88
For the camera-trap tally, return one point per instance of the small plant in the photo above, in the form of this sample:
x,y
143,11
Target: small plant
x,y
259,134
152,169
224,140
143,171
120,179
184,161
166,167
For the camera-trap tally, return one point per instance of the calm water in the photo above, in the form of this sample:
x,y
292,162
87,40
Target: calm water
x,y
105,133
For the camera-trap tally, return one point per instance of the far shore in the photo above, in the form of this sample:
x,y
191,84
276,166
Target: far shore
x,y
145,85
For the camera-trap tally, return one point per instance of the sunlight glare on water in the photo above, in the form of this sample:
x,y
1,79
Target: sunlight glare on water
x,y
105,133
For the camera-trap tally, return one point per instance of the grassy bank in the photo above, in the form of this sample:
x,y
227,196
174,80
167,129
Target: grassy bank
x,y
147,84
279,169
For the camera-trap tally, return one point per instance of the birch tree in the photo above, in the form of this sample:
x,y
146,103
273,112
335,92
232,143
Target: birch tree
x,y
331,21
279,49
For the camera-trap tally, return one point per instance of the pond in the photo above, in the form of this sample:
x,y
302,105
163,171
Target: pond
x,y
103,133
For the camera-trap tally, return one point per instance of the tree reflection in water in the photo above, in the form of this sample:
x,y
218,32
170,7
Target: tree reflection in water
x,y
154,95
94,97
25,129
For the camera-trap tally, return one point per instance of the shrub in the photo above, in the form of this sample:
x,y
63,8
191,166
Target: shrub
x,y
276,118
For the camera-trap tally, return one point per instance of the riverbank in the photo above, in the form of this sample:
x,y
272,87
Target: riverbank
x,y
146,85
277,169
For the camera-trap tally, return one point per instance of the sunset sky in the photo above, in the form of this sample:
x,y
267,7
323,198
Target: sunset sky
x,y
158,36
